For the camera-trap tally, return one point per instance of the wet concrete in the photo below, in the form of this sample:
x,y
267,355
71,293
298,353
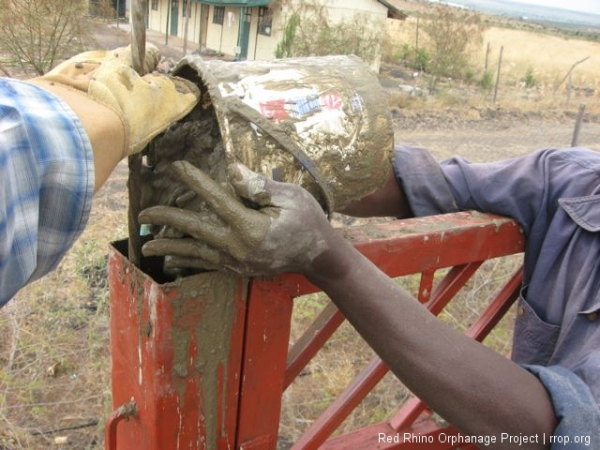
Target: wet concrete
x,y
340,150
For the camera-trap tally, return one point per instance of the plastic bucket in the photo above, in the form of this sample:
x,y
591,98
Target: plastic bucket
x,y
321,122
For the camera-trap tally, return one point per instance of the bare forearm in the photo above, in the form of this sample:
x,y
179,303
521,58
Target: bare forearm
x,y
475,389
389,201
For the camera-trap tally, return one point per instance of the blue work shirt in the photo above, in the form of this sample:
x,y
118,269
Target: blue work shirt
x,y
555,196
46,183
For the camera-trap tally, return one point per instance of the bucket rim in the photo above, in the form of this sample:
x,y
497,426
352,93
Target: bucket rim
x,y
234,106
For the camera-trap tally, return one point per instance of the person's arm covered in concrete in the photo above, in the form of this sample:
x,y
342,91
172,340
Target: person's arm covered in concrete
x,y
477,390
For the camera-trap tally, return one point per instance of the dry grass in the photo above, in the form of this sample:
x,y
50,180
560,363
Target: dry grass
x,y
543,59
550,57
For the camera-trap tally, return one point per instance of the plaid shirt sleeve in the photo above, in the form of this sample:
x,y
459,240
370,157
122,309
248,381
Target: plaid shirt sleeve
x,y
46,183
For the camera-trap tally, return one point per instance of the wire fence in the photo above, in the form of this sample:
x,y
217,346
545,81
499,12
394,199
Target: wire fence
x,y
482,135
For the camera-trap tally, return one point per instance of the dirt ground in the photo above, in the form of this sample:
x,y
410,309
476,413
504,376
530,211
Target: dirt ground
x,y
38,405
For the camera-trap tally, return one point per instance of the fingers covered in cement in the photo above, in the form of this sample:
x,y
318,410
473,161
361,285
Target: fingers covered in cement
x,y
237,233
263,191
249,185
284,230
197,225
184,248
190,254
248,224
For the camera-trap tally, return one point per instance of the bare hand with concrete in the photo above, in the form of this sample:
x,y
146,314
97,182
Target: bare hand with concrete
x,y
285,230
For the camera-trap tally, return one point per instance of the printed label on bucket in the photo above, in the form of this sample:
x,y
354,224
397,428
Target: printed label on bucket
x,y
299,107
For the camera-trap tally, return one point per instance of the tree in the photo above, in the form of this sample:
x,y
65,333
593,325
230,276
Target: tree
x,y
309,31
285,46
38,33
452,34
103,9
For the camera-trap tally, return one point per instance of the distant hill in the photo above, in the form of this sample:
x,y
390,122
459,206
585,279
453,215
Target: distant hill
x,y
535,13
515,10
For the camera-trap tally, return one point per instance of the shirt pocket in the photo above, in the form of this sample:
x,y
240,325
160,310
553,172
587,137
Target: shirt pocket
x,y
534,340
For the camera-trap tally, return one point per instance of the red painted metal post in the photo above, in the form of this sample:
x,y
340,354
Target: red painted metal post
x,y
176,350
206,358
266,345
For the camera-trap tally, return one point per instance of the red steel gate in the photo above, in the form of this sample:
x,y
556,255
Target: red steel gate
x,y
202,362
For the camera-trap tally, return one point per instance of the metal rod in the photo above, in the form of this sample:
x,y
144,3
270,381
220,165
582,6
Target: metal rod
x,y
169,6
124,412
138,52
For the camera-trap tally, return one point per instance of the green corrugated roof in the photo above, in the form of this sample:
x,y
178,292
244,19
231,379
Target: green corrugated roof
x,y
254,3
240,3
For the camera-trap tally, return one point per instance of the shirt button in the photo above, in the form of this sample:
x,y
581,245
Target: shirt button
x,y
592,316
520,311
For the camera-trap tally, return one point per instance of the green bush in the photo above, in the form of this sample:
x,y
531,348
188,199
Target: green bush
x,y
415,58
310,32
422,60
284,47
452,34
487,80
529,79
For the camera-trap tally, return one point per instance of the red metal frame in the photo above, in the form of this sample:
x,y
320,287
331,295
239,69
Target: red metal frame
x,y
260,366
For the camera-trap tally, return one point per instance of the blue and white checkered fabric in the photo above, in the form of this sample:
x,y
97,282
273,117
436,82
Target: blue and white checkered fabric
x,y
46,183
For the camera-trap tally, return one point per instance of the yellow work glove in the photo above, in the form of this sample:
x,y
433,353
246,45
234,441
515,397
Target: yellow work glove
x,y
145,105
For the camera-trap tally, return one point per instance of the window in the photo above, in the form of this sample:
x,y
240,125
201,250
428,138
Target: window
x,y
265,21
154,5
218,15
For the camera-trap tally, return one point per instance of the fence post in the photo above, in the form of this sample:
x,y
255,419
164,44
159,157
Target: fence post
x,y
498,74
578,122
417,46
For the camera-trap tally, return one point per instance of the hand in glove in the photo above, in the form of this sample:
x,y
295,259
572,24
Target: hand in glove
x,y
285,231
144,105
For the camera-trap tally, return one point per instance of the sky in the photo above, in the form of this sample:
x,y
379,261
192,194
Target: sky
x,y
589,6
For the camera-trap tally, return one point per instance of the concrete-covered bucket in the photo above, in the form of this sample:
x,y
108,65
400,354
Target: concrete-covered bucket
x,y
321,122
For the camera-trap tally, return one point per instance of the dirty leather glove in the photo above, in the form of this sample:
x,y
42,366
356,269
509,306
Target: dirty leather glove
x,y
284,231
145,105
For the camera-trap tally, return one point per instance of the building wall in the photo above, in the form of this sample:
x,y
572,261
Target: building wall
x,y
160,20
193,25
224,38
157,19
263,47
347,9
